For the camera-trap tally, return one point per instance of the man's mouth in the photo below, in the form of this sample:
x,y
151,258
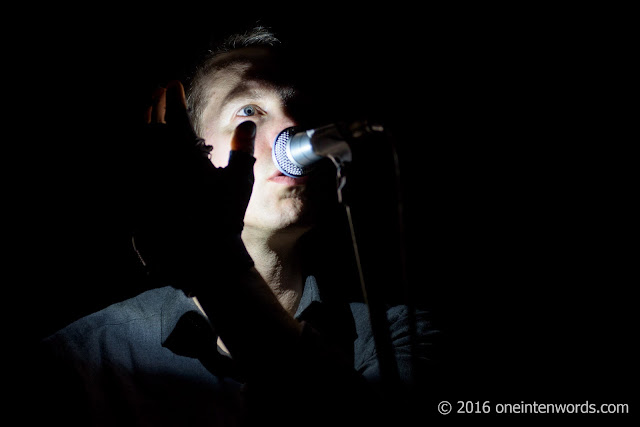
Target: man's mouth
x,y
280,178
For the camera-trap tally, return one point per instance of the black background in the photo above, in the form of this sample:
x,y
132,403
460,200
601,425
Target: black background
x,y
517,205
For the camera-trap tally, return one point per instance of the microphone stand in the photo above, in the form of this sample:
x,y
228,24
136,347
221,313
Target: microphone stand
x,y
374,298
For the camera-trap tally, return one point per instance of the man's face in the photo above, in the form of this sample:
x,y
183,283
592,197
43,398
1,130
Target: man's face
x,y
241,92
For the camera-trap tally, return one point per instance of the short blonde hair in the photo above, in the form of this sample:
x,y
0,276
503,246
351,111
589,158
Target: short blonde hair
x,y
199,85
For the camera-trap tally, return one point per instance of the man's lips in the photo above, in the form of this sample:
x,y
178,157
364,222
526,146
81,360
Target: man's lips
x,y
280,178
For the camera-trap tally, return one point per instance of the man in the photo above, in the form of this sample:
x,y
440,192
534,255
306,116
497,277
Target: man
x,y
238,328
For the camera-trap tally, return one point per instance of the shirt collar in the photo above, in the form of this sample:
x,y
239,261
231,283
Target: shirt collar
x,y
176,305
310,294
181,317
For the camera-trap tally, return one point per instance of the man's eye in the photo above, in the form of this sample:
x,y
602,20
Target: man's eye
x,y
248,110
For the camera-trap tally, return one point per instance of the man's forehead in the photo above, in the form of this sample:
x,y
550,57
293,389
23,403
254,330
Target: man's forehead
x,y
241,82
249,72
256,63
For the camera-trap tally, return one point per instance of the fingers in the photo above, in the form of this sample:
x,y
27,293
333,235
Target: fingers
x,y
155,113
243,137
168,104
177,114
176,107
169,107
241,160
238,174
239,171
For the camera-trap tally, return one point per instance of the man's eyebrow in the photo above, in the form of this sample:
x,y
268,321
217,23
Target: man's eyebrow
x,y
242,90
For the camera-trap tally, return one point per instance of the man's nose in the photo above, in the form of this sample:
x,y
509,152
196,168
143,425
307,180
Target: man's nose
x,y
267,134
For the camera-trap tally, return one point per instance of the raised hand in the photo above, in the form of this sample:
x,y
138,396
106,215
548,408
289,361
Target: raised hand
x,y
189,213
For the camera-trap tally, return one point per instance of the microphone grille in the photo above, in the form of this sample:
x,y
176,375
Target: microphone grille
x,y
281,159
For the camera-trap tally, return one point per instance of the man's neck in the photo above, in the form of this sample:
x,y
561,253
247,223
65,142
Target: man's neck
x,y
277,260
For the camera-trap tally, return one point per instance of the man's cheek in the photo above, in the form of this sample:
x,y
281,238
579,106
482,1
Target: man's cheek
x,y
220,153
219,159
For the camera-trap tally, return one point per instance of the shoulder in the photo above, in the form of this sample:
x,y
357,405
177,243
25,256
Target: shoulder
x,y
87,333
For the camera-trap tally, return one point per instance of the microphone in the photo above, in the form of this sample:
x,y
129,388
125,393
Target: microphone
x,y
296,153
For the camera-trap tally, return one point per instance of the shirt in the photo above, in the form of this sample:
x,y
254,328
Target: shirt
x,y
153,360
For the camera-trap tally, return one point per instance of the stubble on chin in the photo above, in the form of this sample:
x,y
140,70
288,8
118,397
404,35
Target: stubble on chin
x,y
290,210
